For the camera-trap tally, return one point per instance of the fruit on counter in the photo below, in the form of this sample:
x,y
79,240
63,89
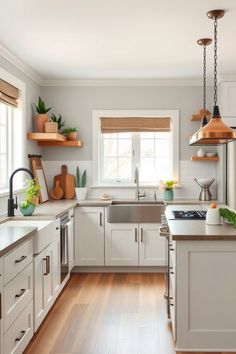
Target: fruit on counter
x,y
214,205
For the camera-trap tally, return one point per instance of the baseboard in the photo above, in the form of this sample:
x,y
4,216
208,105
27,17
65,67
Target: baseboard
x,y
106,269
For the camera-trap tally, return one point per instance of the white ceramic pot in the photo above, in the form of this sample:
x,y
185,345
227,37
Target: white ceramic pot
x,y
201,153
213,216
81,193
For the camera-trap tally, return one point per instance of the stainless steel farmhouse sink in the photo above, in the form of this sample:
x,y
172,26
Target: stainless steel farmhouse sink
x,y
135,211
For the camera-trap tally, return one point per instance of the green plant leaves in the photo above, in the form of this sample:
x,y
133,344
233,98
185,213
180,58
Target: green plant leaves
x,y
41,108
81,180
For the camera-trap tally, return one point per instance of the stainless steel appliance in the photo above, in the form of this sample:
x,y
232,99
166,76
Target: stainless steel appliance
x,y
205,184
164,231
64,235
189,214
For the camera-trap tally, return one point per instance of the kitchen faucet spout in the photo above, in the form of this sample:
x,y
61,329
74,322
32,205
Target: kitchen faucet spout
x,y
11,203
138,194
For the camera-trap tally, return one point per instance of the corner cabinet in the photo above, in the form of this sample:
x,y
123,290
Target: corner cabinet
x,y
89,236
134,245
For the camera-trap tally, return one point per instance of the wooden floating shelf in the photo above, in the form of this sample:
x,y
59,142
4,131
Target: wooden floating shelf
x,y
206,158
46,137
53,139
67,143
200,114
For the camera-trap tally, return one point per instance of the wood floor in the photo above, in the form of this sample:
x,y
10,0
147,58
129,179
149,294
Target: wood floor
x,y
107,314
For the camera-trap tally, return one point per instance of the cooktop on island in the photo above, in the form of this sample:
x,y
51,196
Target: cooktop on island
x,y
189,214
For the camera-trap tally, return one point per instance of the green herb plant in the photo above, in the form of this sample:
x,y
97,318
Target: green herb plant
x,y
81,180
58,120
67,131
31,192
167,185
228,215
41,108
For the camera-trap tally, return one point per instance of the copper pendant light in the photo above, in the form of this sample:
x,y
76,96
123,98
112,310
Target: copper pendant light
x,y
204,113
216,132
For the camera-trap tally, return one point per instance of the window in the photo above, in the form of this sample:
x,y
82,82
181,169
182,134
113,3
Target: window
x,y
10,144
156,153
122,152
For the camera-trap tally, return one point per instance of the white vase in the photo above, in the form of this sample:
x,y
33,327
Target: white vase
x,y
81,193
201,153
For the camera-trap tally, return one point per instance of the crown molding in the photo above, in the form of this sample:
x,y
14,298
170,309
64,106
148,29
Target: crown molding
x,y
123,82
19,64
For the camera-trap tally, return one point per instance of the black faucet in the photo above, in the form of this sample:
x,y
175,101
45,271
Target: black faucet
x,y
11,203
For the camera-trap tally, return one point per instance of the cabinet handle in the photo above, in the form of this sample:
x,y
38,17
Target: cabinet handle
x,y
172,249
57,228
18,339
141,234
136,234
72,216
0,306
47,260
20,259
172,304
100,215
20,293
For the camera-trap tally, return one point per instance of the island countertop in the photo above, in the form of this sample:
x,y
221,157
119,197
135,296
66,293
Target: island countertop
x,y
197,229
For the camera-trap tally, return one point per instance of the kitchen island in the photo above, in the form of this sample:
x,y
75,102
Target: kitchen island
x,y
202,283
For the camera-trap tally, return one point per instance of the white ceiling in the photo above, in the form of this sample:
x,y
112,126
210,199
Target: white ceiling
x,y
109,39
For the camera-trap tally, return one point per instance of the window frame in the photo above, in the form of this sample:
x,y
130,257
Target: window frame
x,y
6,76
97,141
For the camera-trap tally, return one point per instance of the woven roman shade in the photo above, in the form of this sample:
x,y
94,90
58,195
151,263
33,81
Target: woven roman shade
x,y
135,124
8,93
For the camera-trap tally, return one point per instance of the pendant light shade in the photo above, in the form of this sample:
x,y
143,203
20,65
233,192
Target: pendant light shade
x,y
216,132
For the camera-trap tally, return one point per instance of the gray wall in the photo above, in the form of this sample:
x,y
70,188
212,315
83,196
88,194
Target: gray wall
x,y
32,93
76,105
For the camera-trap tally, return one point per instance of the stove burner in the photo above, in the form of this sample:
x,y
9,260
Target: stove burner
x,y
190,214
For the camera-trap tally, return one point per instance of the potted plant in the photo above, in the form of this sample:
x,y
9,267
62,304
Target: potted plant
x,y
55,124
168,186
27,206
70,133
80,183
42,116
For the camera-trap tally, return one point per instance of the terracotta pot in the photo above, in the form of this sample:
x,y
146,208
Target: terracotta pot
x,y
51,127
72,136
40,121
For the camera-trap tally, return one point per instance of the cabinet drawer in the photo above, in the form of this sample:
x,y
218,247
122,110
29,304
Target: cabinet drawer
x,y
19,334
17,260
17,294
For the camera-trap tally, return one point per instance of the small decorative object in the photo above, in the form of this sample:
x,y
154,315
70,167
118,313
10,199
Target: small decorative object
x,y
228,216
28,205
105,196
213,215
57,192
211,154
51,127
42,116
81,180
58,120
66,182
168,186
201,153
70,133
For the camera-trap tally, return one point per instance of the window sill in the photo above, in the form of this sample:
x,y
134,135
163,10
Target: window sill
x,y
111,186
5,192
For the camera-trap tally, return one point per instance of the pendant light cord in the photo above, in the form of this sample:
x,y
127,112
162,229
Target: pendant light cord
x,y
204,77
215,61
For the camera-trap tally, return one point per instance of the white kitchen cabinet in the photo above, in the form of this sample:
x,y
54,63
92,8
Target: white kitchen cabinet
x,y
56,261
152,247
134,245
43,285
228,99
71,240
89,236
202,291
121,245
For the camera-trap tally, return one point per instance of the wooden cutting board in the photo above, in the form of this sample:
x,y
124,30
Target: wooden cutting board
x,y
66,182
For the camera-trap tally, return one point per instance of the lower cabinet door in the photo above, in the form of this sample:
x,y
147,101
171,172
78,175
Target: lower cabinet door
x,y
43,285
152,247
121,244
19,334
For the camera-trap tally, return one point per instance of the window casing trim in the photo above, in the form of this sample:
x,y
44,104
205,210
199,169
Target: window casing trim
x,y
97,114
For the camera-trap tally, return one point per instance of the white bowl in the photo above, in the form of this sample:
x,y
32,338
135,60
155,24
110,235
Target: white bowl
x,y
205,182
210,154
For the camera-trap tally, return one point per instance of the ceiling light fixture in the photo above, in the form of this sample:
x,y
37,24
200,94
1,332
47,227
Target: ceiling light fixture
x,y
216,132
